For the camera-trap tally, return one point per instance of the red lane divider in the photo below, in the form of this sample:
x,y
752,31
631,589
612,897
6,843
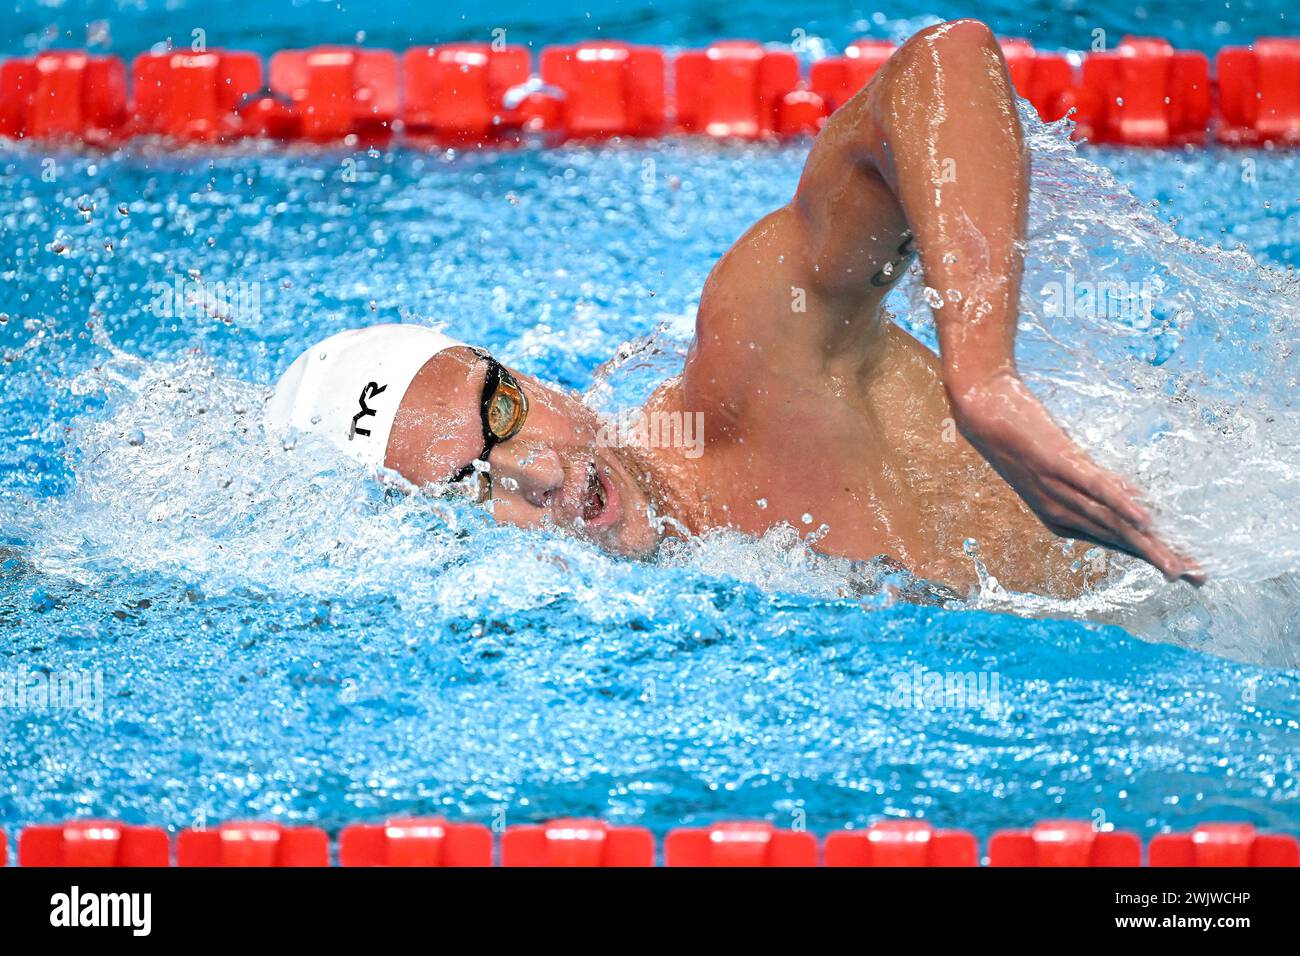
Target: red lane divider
x,y
1144,92
1224,844
738,88
456,93
67,95
253,844
577,843
433,841
338,91
1064,843
740,844
607,89
4,849
902,843
416,842
93,843
1259,92
193,96
1042,78
836,78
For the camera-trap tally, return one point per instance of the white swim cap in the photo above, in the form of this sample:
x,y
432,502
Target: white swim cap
x,y
348,388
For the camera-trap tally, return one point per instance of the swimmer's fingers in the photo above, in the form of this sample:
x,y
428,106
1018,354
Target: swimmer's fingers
x,y
1092,519
1113,491
1139,539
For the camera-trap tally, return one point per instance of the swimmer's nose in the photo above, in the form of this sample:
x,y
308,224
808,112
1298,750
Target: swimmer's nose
x,y
537,472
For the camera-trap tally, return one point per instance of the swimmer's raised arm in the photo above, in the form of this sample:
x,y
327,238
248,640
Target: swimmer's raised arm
x,y
939,126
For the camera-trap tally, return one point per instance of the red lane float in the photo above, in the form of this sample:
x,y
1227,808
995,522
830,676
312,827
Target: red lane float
x,y
434,841
609,89
1041,78
193,96
577,843
1223,844
1145,93
65,95
93,843
836,78
456,93
4,849
902,843
1259,92
416,842
740,844
253,844
736,88
1142,93
337,92
1064,843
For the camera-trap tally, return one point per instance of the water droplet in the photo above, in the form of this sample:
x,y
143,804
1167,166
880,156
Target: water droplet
x,y
807,518
762,503
135,437
121,207
971,546
932,298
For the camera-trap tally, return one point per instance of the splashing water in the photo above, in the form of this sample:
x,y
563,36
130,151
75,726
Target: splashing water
x,y
280,636
1177,364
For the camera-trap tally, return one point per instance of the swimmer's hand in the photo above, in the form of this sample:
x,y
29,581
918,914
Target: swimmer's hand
x,y
1069,492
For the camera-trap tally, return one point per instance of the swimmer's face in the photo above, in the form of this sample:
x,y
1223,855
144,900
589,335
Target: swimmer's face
x,y
552,473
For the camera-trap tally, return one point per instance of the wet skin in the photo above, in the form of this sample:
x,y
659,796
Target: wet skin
x,y
818,410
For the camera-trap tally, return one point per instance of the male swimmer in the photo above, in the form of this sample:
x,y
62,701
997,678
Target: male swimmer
x,y
831,416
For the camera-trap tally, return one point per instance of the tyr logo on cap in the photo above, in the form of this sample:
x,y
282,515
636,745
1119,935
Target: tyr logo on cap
x,y
367,393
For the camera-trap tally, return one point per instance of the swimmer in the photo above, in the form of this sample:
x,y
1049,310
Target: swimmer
x,y
817,411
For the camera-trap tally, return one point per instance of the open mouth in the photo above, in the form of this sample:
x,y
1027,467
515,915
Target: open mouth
x,y
595,498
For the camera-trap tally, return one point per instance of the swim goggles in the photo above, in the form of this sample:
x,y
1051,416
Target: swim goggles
x,y
503,410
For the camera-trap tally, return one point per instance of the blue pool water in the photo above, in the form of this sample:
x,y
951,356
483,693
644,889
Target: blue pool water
x,y
276,637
